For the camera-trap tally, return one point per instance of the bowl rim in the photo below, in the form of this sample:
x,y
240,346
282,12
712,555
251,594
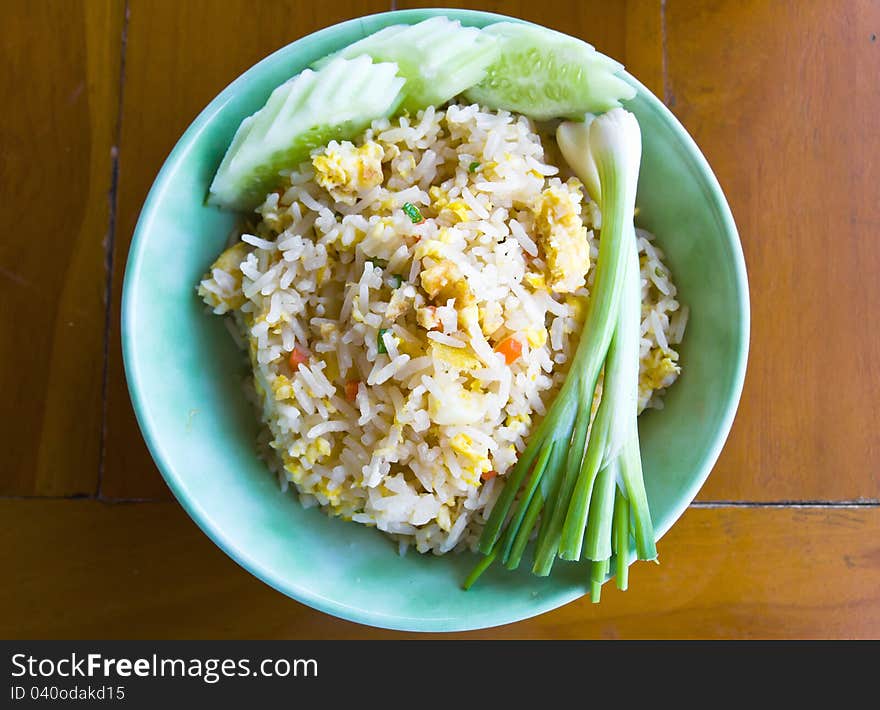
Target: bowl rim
x,y
713,193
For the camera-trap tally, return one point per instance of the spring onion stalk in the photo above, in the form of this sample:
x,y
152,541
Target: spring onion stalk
x,y
620,539
634,483
598,574
618,406
523,534
605,153
597,539
542,502
481,567
525,501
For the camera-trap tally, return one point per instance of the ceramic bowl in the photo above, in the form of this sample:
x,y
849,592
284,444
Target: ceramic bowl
x,y
184,375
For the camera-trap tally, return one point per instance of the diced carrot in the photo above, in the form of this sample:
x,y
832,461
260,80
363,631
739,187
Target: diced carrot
x,y
298,357
351,390
488,475
511,347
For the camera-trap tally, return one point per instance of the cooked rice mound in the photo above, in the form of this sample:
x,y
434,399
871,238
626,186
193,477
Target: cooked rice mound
x,y
401,356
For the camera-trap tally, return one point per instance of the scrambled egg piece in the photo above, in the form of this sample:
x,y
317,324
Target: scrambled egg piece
x,y
578,306
444,281
345,171
281,388
537,337
318,449
491,317
459,358
295,471
443,519
659,369
535,280
439,197
518,423
427,317
562,236
460,209
413,348
475,453
330,492
432,248
229,262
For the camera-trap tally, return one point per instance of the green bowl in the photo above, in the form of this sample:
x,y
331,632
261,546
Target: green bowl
x,y
184,374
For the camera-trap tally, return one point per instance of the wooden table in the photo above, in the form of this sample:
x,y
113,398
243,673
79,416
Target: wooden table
x,y
783,540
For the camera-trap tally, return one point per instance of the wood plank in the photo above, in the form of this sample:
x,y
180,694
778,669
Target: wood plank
x,y
783,99
85,569
643,44
170,76
62,82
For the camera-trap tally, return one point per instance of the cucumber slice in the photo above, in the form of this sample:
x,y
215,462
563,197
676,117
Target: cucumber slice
x,y
311,109
363,46
546,74
438,58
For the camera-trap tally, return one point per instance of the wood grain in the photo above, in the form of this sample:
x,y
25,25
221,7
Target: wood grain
x,y
60,84
146,571
643,53
171,74
783,99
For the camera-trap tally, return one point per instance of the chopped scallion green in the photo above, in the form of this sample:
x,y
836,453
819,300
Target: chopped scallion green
x,y
413,213
380,340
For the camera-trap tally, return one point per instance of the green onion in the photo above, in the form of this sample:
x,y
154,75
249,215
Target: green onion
x,y
396,280
605,153
525,502
597,542
617,408
620,539
472,168
631,474
380,340
598,574
413,213
483,565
